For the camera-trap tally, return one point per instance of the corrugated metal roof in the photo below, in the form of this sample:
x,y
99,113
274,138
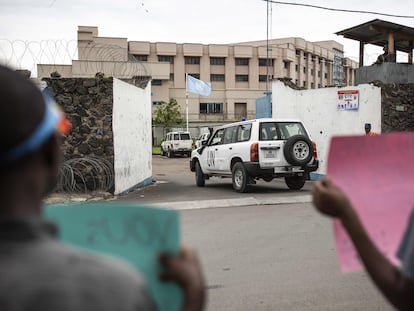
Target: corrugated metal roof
x,y
376,32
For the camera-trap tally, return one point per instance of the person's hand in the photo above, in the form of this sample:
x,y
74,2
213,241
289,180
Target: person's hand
x,y
330,200
185,270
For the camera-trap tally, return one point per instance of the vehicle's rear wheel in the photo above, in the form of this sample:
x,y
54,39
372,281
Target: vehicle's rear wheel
x,y
298,150
295,182
199,176
170,153
239,177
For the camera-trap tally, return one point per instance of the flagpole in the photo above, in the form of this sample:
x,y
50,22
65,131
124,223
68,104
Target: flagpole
x,y
186,100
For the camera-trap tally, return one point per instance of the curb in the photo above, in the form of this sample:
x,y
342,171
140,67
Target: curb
x,y
201,204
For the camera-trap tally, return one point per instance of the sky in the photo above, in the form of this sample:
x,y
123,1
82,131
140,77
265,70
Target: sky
x,y
45,31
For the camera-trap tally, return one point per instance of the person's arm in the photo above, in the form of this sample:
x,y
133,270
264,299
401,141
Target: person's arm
x,y
185,270
332,201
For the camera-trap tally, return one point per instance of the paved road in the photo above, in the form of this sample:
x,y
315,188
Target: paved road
x,y
259,254
175,186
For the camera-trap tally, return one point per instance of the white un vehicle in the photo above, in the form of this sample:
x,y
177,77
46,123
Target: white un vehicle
x,y
256,149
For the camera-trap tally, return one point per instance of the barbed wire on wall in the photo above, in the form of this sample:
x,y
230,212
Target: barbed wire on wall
x,y
110,59
21,54
86,174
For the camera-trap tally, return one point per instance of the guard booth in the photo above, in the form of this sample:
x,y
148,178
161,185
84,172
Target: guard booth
x,y
264,106
390,36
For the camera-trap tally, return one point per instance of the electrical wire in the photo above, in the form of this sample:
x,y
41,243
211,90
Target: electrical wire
x,y
338,10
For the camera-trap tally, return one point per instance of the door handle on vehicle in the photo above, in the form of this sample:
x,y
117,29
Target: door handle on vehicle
x,y
230,148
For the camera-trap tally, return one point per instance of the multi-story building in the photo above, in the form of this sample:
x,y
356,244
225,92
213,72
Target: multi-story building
x,y
239,72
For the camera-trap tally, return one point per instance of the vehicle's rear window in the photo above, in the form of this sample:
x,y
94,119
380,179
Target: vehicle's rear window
x,y
280,130
185,136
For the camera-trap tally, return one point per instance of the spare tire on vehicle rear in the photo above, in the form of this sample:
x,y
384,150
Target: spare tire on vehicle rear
x,y
298,150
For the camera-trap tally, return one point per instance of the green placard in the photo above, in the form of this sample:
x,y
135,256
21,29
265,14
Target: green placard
x,y
135,233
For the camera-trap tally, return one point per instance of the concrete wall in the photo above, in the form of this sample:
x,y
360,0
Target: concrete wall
x,y
318,111
132,136
387,73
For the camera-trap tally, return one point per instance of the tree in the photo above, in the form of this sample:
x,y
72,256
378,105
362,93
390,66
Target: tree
x,y
168,114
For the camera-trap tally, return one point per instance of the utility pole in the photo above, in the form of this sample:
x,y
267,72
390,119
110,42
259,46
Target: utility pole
x,y
267,45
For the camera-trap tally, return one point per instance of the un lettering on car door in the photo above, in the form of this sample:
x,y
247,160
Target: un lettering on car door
x,y
210,157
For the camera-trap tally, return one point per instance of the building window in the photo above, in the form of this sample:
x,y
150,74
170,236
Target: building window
x,y
312,85
286,65
207,108
265,62
157,103
217,61
313,58
166,58
311,72
304,83
326,75
140,58
241,61
156,82
262,78
171,76
304,69
297,52
242,78
216,77
296,82
195,75
192,60
296,68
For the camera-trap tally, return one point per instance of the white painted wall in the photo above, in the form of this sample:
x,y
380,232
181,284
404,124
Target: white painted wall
x,y
131,125
317,108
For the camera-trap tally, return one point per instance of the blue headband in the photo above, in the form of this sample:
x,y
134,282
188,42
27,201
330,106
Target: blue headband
x,y
40,134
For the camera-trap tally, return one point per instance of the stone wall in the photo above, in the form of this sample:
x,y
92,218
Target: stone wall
x,y
397,105
88,105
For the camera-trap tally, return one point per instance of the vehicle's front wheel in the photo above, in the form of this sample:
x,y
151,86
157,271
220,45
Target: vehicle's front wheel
x,y
295,182
199,176
239,177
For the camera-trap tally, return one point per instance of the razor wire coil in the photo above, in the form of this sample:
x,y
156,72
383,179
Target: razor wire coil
x,y
85,174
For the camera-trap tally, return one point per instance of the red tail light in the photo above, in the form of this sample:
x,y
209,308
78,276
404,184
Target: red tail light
x,y
254,152
315,153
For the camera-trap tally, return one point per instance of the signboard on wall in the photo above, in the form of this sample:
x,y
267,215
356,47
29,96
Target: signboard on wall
x,y
348,100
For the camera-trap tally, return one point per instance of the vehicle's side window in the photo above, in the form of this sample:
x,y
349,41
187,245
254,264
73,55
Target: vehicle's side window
x,y
218,137
177,136
244,131
230,135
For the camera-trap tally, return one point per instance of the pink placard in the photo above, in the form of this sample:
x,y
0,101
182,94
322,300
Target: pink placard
x,y
377,173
